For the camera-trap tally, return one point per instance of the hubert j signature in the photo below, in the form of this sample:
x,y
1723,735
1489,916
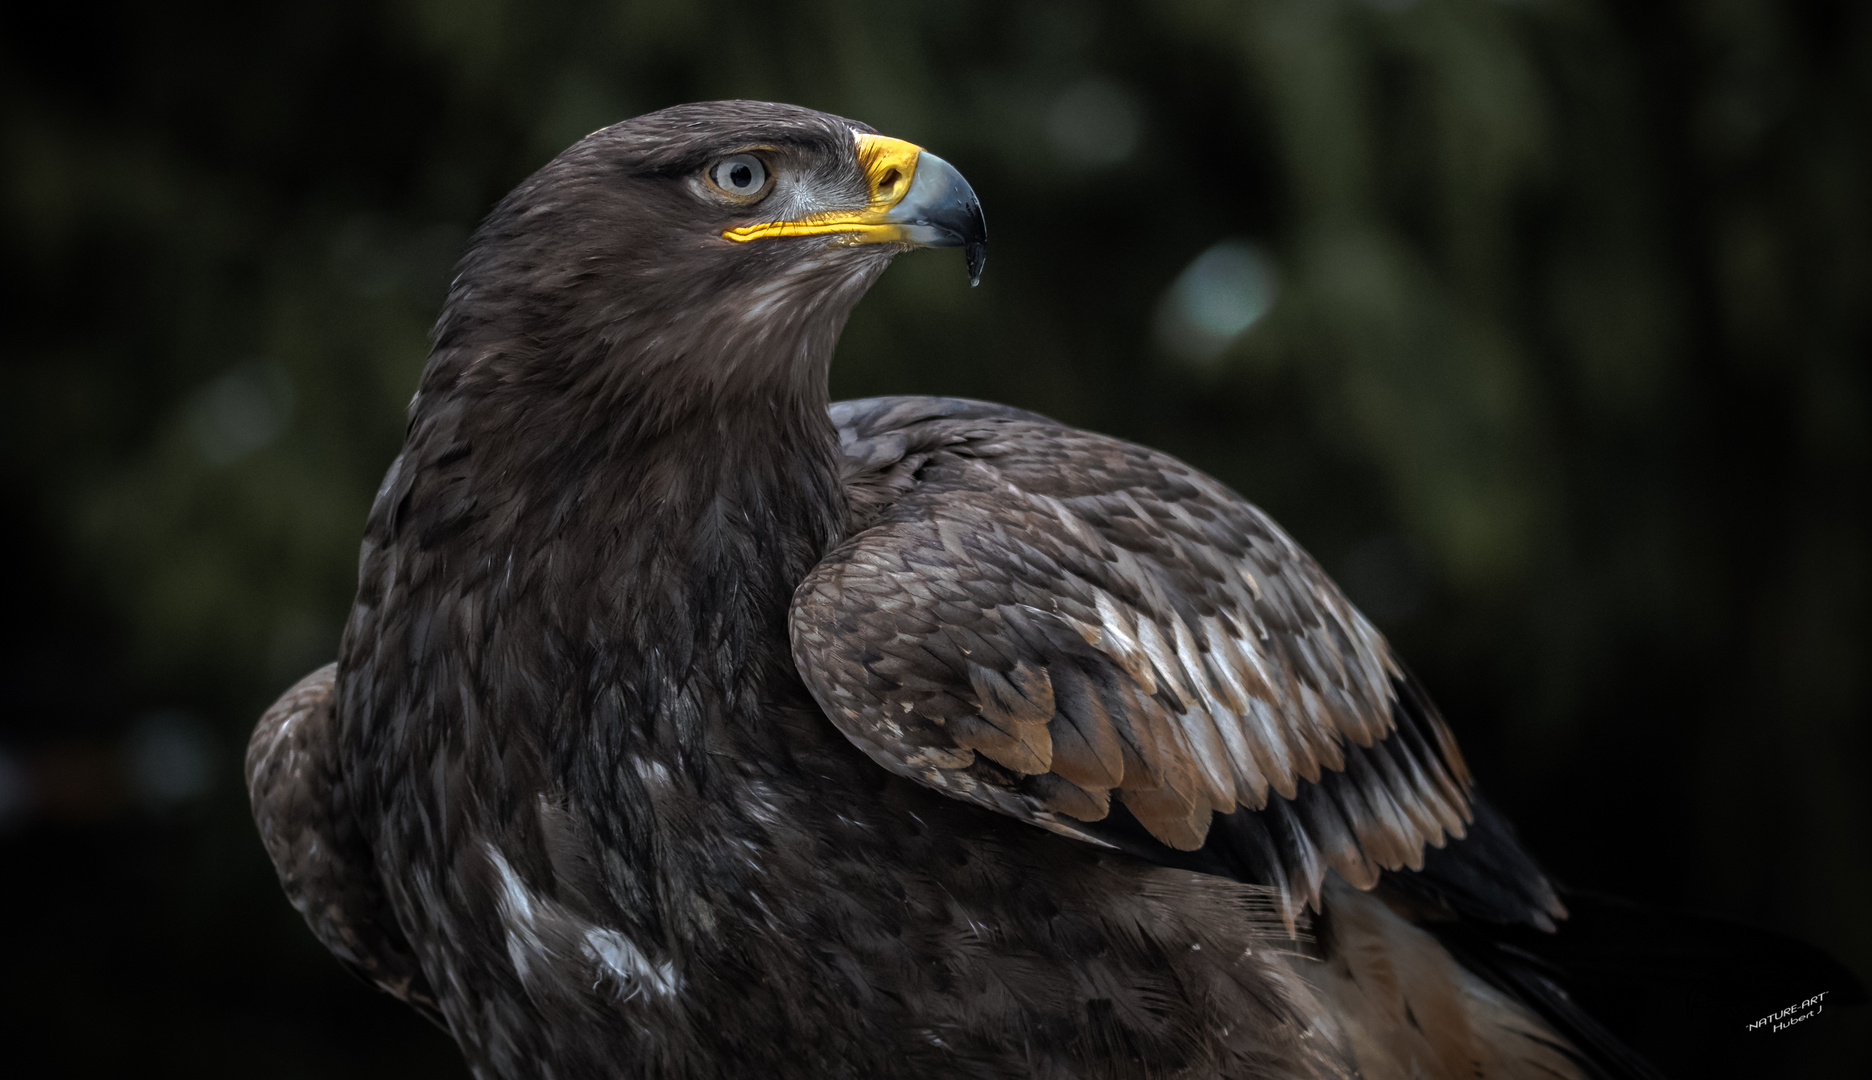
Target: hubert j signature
x,y
1787,1018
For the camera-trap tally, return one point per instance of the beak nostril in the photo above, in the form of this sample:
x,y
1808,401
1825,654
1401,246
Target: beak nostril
x,y
888,183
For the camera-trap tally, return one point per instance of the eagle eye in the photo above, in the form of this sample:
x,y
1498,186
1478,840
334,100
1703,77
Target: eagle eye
x,y
742,177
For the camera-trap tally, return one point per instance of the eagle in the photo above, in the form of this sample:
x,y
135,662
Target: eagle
x,y
688,725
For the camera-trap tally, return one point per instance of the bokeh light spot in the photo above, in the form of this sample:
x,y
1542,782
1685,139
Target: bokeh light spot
x,y
241,412
170,756
1226,290
1095,123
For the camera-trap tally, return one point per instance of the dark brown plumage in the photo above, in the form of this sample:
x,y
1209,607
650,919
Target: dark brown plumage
x,y
569,791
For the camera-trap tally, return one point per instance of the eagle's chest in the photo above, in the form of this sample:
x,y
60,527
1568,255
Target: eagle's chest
x,y
762,894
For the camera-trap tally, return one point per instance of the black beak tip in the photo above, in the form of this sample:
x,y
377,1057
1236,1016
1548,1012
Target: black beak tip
x,y
974,239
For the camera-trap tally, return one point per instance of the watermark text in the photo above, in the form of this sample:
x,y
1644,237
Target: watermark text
x,y
1782,1019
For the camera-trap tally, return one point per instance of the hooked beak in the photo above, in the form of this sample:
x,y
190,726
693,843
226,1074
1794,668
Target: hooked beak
x,y
917,199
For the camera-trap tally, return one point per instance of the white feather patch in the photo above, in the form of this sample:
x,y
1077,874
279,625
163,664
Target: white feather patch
x,y
536,924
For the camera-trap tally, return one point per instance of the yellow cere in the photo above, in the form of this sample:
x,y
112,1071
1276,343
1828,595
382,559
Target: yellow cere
x,y
888,165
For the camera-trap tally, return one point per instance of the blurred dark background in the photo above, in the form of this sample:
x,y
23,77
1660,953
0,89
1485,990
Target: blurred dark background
x,y
1544,324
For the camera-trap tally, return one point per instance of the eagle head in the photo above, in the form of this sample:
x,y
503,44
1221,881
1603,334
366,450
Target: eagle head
x,y
713,250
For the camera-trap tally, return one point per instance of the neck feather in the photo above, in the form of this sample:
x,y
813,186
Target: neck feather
x,y
621,561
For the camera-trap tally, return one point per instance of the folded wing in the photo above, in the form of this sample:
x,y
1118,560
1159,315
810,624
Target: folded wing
x,y
1098,639
323,862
